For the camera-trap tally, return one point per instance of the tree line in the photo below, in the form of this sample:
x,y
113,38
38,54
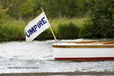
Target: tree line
x,y
24,9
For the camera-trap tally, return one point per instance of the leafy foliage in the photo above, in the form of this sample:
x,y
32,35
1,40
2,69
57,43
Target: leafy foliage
x,y
63,13
102,20
24,9
66,31
3,15
11,32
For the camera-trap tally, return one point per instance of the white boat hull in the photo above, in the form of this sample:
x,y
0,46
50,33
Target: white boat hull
x,y
82,52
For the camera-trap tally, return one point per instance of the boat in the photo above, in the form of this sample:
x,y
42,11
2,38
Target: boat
x,y
84,50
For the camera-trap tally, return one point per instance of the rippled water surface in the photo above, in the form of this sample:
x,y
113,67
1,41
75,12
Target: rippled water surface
x,y
37,56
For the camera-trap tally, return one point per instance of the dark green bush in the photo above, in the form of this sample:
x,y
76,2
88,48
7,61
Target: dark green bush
x,y
110,32
45,35
67,31
87,31
11,33
96,31
101,24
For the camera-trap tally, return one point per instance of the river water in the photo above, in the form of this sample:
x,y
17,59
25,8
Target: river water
x,y
37,56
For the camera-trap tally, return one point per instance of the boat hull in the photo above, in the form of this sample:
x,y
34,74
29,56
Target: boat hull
x,y
84,53
89,52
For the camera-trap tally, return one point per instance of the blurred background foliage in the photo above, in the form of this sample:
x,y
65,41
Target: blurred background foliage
x,y
23,9
70,19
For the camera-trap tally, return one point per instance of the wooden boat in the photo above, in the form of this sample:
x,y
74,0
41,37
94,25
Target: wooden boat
x,y
84,50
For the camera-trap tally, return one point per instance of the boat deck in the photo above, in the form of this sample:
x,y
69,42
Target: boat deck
x,y
85,44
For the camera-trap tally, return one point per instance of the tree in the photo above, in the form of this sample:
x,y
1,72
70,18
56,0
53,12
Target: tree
x,y
2,13
14,7
102,20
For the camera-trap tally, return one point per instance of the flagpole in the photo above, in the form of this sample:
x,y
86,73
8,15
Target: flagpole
x,y
53,34
51,29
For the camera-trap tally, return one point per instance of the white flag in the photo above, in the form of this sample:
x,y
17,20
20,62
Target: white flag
x,y
36,26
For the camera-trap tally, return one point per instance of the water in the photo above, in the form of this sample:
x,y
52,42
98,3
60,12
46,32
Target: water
x,y
37,56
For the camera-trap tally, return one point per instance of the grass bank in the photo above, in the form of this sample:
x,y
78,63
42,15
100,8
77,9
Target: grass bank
x,y
64,28
12,30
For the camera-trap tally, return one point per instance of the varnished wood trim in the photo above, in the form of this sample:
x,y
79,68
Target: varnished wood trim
x,y
89,42
98,46
82,42
108,42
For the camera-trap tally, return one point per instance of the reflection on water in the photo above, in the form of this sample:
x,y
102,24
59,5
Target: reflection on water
x,y
37,56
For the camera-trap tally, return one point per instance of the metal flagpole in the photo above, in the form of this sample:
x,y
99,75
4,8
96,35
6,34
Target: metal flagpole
x,y
51,29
